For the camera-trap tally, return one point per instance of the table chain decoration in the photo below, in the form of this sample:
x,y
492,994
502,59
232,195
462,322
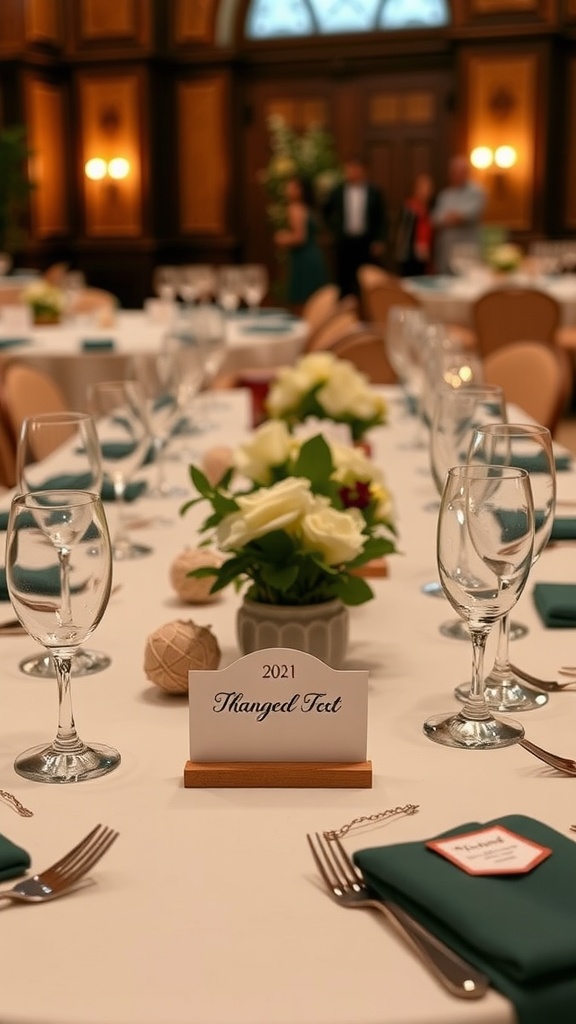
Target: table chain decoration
x,y
18,807
390,812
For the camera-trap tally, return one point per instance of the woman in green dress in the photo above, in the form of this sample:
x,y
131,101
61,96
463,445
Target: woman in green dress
x,y
306,267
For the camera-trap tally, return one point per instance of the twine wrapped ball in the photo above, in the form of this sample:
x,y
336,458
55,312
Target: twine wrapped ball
x,y
175,648
216,461
188,588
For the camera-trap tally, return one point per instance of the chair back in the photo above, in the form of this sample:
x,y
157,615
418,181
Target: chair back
x,y
320,305
365,348
338,324
379,299
26,391
7,455
505,315
530,374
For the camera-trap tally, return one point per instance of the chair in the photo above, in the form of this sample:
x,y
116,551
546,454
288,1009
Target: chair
x,y
531,376
504,315
320,305
380,298
336,326
7,455
365,348
26,391
370,276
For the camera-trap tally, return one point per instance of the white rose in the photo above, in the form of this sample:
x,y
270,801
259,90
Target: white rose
x,y
270,445
384,510
316,367
337,536
351,464
271,508
286,391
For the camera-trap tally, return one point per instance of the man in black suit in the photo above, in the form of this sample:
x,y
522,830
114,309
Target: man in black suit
x,y
356,214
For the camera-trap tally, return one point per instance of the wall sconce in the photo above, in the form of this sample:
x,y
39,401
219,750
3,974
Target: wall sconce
x,y
97,169
503,157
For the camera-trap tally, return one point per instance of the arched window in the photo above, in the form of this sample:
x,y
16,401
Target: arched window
x,y
275,19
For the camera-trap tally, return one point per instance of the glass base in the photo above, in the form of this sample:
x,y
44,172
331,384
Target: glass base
x,y
46,764
84,663
507,694
457,630
434,589
125,550
454,730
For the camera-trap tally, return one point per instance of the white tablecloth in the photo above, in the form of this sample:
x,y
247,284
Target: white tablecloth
x,y
260,340
450,299
208,909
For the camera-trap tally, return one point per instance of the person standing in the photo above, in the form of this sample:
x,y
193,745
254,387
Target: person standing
x,y
457,214
414,243
355,212
306,267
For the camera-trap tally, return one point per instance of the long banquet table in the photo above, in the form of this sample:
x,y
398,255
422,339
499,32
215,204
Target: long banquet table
x,y
208,909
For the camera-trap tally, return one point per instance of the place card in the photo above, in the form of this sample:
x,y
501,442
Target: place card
x,y
278,717
491,851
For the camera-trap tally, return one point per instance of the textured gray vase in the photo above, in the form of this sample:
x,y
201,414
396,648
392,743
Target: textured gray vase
x,y
318,629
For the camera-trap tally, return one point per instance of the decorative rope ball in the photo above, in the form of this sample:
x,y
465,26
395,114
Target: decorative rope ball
x,y
175,648
188,588
216,461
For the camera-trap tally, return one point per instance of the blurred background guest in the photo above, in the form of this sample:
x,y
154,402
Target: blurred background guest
x,y
356,214
457,213
414,242
306,266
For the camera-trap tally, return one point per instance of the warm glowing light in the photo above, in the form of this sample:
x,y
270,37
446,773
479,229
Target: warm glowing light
x,y
95,169
505,156
481,157
118,168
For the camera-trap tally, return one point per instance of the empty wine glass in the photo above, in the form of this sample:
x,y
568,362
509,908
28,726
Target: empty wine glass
x,y
165,281
465,258
254,284
124,437
156,375
60,606
528,446
196,282
60,450
485,541
184,347
229,288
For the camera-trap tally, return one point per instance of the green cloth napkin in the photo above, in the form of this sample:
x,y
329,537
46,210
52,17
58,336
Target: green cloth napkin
x,y
564,528
13,859
97,344
556,604
266,328
69,481
14,342
41,581
537,464
518,929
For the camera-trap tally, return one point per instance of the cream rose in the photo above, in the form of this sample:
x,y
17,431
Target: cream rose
x,y
286,391
351,464
270,445
279,507
337,536
384,511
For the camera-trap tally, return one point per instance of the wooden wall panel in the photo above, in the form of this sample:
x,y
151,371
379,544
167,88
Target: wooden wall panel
x,y
11,26
501,110
42,21
204,154
193,21
102,24
47,135
571,136
110,116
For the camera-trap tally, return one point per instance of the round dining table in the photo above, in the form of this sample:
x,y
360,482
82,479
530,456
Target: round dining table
x,y
208,909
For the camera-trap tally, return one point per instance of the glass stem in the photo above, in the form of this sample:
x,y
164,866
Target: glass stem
x,y
121,537
475,707
67,739
65,613
159,458
501,662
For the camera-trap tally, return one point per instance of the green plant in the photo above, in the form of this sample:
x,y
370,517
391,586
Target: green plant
x,y
15,186
309,155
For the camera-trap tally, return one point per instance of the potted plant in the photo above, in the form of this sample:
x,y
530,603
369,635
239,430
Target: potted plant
x,y
15,186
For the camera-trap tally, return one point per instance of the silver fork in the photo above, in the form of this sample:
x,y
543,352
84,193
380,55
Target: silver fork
x,y
551,685
562,764
58,879
347,887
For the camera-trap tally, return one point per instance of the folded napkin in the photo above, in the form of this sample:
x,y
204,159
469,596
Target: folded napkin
x,y
13,859
14,342
556,604
97,344
537,463
518,929
69,481
121,449
40,581
267,328
564,528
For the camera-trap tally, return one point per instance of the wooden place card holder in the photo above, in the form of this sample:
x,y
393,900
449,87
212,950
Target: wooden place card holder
x,y
278,718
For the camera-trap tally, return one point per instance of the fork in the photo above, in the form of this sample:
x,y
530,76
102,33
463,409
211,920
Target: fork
x,y
562,764
58,879
346,885
550,685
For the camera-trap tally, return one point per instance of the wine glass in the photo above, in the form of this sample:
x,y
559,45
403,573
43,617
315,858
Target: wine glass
x,y
124,436
485,542
156,375
229,288
60,450
60,607
165,281
528,446
196,282
254,284
183,346
465,258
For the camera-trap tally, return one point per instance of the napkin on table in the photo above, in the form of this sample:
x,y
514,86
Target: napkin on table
x,y
564,528
97,344
556,604
538,463
13,342
41,581
267,328
13,859
69,481
518,929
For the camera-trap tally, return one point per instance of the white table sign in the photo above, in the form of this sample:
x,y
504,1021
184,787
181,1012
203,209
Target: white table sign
x,y
278,705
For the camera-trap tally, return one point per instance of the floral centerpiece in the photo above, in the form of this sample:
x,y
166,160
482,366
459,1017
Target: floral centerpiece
x,y
326,387
308,517
45,301
505,258
309,154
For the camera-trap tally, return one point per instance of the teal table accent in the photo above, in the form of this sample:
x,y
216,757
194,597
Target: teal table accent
x,y
45,582
97,344
564,528
14,342
14,860
556,604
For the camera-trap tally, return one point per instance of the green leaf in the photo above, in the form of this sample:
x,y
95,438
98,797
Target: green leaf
x,y
280,578
202,571
223,505
201,483
274,547
314,461
353,590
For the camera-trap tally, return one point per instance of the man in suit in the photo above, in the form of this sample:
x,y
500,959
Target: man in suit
x,y
356,214
457,214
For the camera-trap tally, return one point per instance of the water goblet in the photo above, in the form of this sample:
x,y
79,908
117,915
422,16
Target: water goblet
x,y
528,446
183,345
229,288
124,436
254,284
60,607
165,281
60,450
156,375
485,541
